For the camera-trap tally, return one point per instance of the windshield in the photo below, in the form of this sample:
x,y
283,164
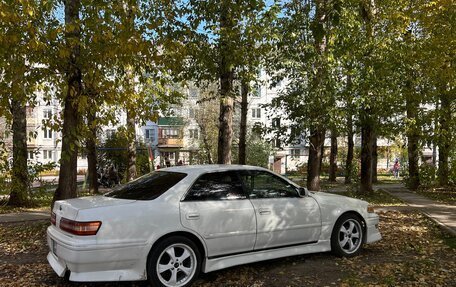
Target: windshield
x,y
147,187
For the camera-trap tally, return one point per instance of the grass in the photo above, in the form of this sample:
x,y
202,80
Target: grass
x,y
40,201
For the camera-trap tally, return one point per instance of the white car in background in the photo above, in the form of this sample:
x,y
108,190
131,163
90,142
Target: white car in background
x,y
173,223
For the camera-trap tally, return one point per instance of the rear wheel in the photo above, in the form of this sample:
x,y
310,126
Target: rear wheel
x,y
175,261
347,236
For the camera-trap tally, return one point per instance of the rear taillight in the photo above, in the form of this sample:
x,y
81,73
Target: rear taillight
x,y
53,218
80,228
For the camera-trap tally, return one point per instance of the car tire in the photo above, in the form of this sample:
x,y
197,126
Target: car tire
x,y
347,236
174,261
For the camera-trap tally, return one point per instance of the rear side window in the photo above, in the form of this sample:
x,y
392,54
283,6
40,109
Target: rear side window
x,y
216,186
147,187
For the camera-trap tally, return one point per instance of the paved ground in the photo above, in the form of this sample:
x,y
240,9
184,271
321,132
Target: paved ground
x,y
23,216
442,214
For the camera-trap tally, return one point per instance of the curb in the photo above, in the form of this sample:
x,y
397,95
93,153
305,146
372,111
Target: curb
x,y
441,225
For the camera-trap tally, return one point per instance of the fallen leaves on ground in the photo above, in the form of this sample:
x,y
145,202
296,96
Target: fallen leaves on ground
x,y
411,253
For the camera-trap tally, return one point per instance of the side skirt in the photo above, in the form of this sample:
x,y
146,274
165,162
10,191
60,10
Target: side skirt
x,y
255,256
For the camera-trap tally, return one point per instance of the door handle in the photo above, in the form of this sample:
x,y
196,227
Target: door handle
x,y
192,216
264,211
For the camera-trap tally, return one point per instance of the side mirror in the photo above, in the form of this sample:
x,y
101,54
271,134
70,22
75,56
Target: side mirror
x,y
303,191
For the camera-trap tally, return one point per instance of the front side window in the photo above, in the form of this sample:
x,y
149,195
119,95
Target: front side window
x,y
262,184
147,187
216,186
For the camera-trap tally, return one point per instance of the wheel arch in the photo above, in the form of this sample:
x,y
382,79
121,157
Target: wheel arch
x,y
195,239
357,214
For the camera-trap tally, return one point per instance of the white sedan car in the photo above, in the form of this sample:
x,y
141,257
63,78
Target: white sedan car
x,y
171,224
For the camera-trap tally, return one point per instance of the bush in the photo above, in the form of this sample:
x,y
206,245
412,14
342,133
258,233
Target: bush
x,y
427,174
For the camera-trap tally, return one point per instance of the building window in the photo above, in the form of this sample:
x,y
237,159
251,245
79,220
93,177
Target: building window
x,y
47,133
295,153
277,143
110,133
30,154
193,133
170,133
47,114
193,93
150,135
191,113
168,155
276,122
256,113
256,91
47,154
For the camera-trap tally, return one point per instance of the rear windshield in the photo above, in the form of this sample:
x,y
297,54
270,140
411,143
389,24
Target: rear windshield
x,y
147,187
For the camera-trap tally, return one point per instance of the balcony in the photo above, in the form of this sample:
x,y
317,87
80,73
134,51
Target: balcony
x,y
31,142
176,142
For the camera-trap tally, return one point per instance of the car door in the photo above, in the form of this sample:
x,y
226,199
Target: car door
x,y
217,208
283,217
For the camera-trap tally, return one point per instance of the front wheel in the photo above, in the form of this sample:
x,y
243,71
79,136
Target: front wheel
x,y
175,261
347,236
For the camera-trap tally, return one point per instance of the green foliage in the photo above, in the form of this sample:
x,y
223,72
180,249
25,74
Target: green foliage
x,y
427,174
257,151
114,151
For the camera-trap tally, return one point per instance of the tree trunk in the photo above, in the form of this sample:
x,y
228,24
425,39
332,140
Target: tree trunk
x,y
374,159
207,147
333,157
367,143
316,140
350,151
366,117
317,133
19,176
350,143
67,187
413,137
226,74
92,152
435,139
131,149
444,138
243,129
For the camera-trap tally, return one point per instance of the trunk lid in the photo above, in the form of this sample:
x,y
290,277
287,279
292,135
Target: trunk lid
x,y
69,208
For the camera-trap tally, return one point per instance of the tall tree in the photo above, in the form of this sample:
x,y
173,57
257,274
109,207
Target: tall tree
x,y
304,58
23,26
71,115
367,122
223,36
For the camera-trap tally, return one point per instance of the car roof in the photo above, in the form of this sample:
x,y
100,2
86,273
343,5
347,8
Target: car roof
x,y
198,169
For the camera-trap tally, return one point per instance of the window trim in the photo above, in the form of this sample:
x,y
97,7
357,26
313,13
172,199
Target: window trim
x,y
244,187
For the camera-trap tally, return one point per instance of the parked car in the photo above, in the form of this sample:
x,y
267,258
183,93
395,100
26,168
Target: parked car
x,y
172,224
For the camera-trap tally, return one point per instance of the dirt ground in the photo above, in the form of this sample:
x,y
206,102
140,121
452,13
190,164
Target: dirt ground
x,y
413,252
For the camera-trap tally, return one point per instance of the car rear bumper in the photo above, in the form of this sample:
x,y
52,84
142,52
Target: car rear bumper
x,y
372,232
95,262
